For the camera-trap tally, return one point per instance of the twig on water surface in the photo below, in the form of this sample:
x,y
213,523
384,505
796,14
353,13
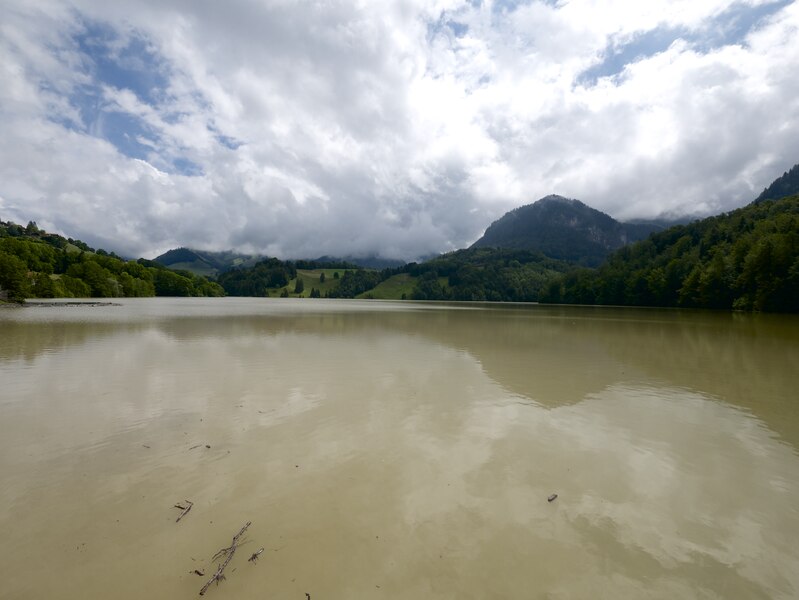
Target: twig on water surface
x,y
228,554
185,509
255,555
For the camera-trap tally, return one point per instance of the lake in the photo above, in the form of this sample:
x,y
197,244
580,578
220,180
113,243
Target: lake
x,y
397,450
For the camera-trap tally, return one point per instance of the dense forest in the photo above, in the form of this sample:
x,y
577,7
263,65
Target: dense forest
x,y
747,259
34,263
479,274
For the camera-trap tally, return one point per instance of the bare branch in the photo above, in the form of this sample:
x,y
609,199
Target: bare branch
x,y
228,553
185,509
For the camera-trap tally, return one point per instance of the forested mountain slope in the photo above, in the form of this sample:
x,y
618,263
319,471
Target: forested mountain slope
x,y
480,274
787,185
34,263
746,259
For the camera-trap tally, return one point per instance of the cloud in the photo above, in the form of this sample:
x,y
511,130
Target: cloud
x,y
398,130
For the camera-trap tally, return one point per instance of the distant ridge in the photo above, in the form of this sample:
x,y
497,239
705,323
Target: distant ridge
x,y
565,229
368,262
202,262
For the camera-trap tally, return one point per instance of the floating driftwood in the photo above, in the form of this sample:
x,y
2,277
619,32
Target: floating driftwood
x,y
228,554
185,509
255,555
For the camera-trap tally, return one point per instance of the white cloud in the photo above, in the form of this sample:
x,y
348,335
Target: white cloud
x,y
399,129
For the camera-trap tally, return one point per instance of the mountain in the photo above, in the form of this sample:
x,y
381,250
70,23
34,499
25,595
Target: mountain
x,y
564,229
787,185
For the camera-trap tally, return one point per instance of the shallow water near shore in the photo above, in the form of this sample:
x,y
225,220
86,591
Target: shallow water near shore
x,y
397,450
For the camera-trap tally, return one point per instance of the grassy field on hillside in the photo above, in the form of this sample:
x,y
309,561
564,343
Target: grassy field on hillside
x,y
392,288
310,279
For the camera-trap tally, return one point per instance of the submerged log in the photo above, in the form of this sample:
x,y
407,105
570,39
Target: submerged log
x,y
228,554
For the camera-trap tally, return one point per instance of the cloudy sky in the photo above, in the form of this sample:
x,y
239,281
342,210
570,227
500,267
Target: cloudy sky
x,y
398,128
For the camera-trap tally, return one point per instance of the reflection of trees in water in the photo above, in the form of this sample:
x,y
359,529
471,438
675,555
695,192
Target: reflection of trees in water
x,y
551,355
26,340
561,355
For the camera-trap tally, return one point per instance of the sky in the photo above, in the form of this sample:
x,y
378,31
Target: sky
x,y
396,129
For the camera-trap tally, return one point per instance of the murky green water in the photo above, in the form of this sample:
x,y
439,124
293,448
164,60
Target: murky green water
x,y
397,450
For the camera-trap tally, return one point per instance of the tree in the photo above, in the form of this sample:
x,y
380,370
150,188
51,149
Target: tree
x,y
299,285
13,277
100,280
322,278
169,283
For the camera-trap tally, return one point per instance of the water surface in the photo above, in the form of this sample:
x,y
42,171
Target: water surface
x,y
397,450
